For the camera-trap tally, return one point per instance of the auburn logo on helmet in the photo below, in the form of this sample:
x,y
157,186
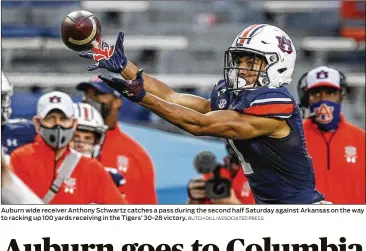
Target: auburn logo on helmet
x,y
284,44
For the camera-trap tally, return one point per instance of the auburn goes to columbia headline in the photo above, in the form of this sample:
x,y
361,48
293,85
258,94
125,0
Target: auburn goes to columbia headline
x,y
233,245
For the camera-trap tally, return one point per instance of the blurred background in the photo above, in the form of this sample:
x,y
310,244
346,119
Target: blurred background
x,y
183,44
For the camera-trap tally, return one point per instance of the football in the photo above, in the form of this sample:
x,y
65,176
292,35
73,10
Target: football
x,y
80,30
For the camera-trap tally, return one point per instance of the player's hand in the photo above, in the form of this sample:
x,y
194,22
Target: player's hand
x,y
196,189
112,58
131,89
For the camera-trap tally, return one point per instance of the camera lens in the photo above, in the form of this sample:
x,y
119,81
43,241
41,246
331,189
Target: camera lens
x,y
219,188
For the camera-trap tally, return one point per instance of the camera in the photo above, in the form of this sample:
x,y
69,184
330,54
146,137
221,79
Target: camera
x,y
216,187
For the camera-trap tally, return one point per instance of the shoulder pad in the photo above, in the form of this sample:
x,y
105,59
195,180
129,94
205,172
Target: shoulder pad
x,y
220,97
267,102
17,132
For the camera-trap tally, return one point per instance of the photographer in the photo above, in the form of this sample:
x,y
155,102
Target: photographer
x,y
220,183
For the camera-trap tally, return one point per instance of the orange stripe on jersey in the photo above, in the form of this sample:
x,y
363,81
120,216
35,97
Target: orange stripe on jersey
x,y
270,109
246,31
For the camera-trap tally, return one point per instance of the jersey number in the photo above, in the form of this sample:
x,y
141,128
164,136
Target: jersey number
x,y
12,142
247,168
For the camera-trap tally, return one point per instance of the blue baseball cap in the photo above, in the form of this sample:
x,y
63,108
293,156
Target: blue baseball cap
x,y
99,85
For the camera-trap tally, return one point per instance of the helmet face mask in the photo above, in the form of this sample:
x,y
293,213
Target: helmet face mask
x,y
267,43
232,69
6,110
83,143
6,94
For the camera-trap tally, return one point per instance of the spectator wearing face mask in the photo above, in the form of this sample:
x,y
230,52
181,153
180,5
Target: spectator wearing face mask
x,y
51,169
336,146
119,150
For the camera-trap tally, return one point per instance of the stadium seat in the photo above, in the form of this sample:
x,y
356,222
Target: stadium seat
x,y
323,46
26,26
281,9
19,30
24,103
29,31
47,4
353,14
125,6
16,4
355,33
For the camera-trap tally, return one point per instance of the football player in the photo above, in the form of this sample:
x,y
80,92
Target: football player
x,y
15,132
89,136
252,109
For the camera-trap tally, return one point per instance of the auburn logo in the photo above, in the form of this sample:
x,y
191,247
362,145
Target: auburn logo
x,y
324,114
284,44
104,53
55,99
322,74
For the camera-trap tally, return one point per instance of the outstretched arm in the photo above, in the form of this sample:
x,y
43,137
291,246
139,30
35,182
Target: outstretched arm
x,y
113,59
163,91
224,124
